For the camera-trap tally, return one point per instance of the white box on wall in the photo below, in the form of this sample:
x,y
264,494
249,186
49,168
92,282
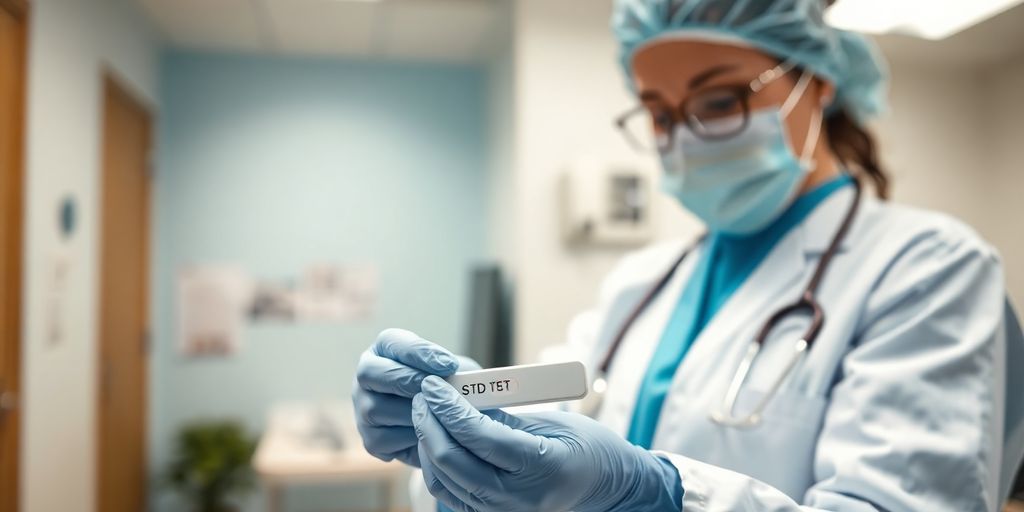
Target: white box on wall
x,y
607,203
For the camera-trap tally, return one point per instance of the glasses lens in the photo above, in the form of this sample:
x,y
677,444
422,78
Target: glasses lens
x,y
647,130
716,113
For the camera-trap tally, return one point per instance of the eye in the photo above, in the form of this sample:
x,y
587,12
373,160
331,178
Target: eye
x,y
722,104
662,120
714,104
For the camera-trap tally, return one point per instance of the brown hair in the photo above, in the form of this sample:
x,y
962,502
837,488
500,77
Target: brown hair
x,y
855,147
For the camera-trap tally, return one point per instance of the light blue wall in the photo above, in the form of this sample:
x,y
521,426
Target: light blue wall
x,y
274,163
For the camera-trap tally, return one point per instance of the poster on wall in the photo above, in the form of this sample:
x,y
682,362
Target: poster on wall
x,y
211,304
337,293
215,302
324,292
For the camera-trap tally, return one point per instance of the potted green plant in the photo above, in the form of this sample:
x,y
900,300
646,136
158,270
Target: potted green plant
x,y
211,465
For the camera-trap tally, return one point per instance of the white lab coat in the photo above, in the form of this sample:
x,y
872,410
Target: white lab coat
x,y
909,400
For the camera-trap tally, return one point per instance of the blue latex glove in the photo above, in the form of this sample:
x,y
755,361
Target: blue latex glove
x,y
389,374
548,461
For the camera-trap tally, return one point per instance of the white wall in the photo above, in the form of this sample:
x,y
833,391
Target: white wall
x,y
955,143
501,144
1002,113
935,146
932,142
71,43
568,88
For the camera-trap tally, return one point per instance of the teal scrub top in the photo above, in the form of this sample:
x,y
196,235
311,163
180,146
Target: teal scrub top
x,y
726,262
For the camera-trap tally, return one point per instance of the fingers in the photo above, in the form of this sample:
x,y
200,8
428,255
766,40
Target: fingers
x,y
415,352
409,456
446,453
389,374
383,375
437,452
486,438
438,488
399,360
386,441
383,410
441,487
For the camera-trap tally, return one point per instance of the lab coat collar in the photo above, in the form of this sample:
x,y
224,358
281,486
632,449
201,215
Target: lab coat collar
x,y
773,282
820,227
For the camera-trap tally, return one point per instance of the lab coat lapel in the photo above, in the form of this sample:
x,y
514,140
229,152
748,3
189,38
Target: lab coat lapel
x,y
731,329
821,225
776,283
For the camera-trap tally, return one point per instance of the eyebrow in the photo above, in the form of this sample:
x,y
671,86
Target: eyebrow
x,y
695,82
703,77
650,95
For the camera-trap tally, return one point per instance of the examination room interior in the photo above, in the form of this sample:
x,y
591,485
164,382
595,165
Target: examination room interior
x,y
210,208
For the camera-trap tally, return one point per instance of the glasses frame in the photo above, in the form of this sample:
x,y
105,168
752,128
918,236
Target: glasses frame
x,y
679,113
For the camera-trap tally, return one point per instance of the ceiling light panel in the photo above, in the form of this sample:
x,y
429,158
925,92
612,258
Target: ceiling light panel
x,y
928,19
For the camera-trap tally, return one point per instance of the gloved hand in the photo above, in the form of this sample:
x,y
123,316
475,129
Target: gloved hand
x,y
552,461
387,377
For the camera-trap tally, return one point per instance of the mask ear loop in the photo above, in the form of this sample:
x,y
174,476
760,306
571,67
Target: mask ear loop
x,y
814,132
797,94
811,143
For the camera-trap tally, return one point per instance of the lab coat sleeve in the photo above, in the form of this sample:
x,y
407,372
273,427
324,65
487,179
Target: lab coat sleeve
x,y
915,417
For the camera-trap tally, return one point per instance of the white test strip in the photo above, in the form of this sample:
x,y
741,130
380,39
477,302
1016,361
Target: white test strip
x,y
529,384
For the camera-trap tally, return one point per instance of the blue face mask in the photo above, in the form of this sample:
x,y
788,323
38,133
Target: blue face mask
x,y
742,184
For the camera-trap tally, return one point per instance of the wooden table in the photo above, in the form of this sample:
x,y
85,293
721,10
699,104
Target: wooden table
x,y
281,461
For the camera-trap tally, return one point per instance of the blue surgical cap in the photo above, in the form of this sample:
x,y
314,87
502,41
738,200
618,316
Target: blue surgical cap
x,y
791,30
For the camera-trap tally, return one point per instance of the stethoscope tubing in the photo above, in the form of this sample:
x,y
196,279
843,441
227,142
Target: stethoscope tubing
x,y
807,303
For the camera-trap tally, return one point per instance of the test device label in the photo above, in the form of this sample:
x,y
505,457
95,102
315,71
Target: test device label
x,y
503,386
522,385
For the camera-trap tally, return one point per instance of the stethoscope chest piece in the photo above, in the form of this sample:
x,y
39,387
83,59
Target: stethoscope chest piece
x,y
726,416
591,404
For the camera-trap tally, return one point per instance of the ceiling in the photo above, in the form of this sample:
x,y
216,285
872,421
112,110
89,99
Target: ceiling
x,y
464,30
439,30
993,41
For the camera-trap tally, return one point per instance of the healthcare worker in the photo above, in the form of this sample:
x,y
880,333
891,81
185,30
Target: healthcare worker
x,y
817,349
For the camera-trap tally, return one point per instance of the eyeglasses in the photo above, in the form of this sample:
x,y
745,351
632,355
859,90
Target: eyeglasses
x,y
714,113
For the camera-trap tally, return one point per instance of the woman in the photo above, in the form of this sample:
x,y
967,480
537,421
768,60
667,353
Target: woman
x,y
897,402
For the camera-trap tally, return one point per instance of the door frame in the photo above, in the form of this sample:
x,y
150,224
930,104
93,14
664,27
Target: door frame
x,y
11,336
19,8
114,85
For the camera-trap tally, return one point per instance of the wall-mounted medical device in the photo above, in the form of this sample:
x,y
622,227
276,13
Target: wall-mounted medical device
x,y
608,203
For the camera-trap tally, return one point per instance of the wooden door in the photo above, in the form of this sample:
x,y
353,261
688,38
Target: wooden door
x,y
124,274
12,94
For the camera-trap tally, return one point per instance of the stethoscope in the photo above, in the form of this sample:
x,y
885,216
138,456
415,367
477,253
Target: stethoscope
x,y
806,304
